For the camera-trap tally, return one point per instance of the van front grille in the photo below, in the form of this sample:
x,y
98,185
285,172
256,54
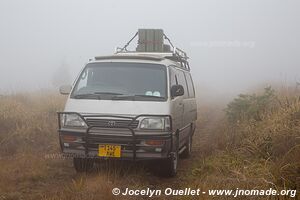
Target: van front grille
x,y
112,123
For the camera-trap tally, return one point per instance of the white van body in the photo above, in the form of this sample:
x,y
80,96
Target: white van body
x,y
151,125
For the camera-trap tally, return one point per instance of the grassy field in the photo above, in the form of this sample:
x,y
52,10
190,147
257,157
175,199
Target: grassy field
x,y
253,142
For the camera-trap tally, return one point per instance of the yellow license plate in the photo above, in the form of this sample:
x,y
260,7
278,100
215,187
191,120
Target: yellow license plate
x,y
109,151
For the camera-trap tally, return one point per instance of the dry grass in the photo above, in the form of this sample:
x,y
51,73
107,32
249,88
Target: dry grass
x,y
28,122
249,154
254,153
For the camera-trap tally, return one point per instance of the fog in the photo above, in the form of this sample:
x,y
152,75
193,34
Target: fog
x,y
233,45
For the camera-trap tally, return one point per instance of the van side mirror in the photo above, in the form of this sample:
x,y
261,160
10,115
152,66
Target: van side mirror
x,y
65,89
177,90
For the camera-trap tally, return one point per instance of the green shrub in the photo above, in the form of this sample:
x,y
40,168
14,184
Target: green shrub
x,y
251,107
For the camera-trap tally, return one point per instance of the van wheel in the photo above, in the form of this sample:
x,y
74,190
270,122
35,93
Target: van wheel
x,y
170,165
187,152
83,164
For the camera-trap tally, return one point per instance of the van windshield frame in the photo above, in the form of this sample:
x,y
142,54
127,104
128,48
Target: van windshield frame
x,y
104,83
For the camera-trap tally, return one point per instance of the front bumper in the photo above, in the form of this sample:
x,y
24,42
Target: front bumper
x,y
133,142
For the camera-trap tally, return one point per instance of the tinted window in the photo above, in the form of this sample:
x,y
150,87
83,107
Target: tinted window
x,y
190,85
173,78
182,81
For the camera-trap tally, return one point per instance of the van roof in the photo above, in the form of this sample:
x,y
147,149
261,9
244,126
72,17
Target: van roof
x,y
150,56
131,56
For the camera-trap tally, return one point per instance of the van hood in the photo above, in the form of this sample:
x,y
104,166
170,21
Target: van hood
x,y
117,107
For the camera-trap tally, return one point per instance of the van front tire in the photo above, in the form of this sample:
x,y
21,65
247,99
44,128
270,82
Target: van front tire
x,y
83,164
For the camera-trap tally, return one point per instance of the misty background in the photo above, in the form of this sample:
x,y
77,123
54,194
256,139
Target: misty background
x,y
233,45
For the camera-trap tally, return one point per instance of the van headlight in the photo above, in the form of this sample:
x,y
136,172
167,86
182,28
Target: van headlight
x,y
156,123
72,120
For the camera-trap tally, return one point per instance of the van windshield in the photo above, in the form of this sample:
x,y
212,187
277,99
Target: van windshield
x,y
122,81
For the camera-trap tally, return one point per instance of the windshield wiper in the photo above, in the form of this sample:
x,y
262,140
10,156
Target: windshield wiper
x,y
123,97
149,96
108,93
133,97
87,95
96,95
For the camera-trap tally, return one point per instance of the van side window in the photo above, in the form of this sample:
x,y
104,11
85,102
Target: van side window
x,y
173,78
182,81
190,85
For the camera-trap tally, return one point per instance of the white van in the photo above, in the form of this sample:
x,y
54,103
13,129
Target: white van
x,y
130,106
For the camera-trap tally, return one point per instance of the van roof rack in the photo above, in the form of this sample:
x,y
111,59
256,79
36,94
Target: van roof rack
x,y
156,46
